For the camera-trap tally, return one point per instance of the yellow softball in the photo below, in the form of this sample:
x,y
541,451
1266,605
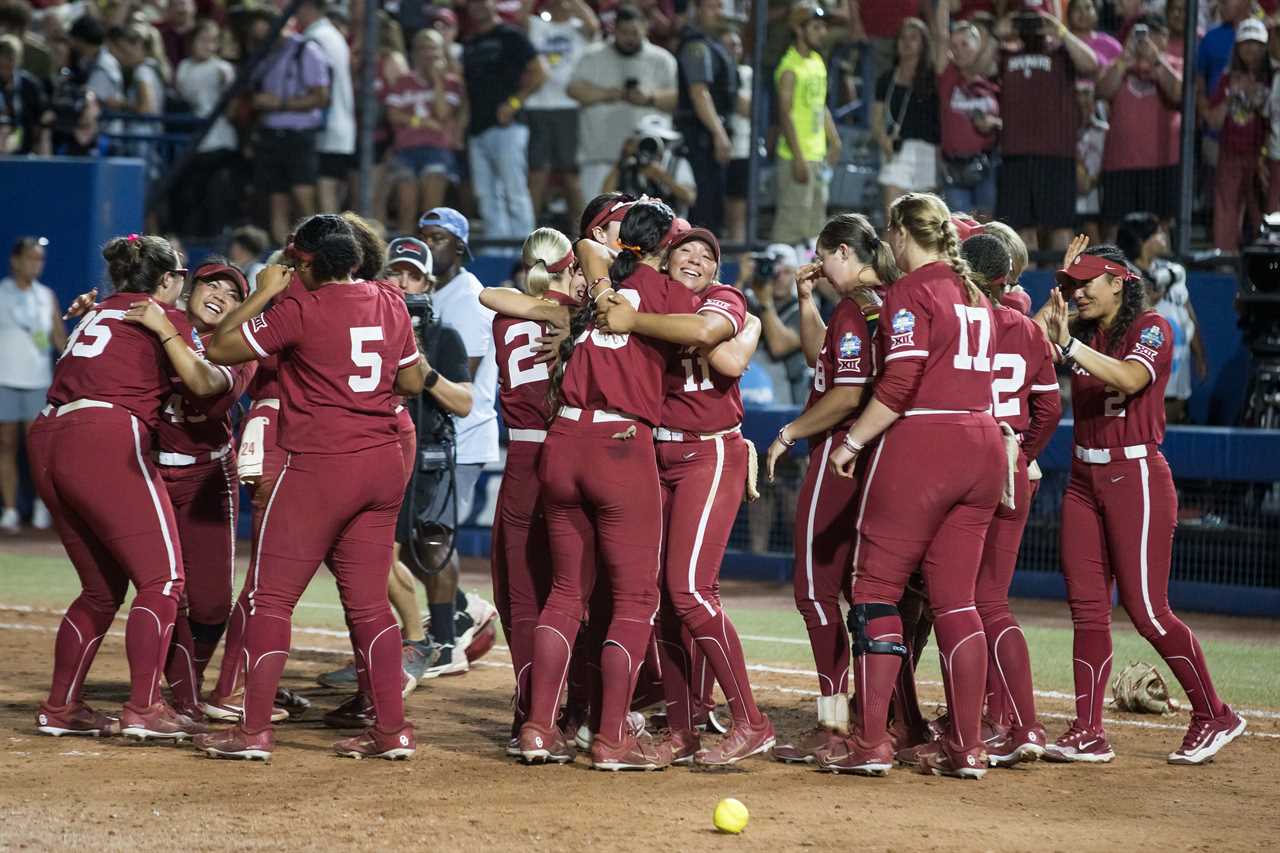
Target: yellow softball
x,y
731,816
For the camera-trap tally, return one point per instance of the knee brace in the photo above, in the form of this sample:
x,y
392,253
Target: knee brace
x,y
859,616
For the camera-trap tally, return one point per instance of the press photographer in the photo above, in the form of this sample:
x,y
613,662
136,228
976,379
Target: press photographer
x,y
653,164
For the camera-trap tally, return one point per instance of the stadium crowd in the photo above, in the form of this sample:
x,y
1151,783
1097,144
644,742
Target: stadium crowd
x,y
516,110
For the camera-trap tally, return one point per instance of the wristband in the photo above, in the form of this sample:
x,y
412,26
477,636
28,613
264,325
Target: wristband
x,y
1069,351
166,340
607,290
432,378
782,438
852,445
514,102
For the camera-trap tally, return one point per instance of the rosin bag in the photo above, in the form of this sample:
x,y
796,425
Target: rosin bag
x,y
1011,453
752,493
252,449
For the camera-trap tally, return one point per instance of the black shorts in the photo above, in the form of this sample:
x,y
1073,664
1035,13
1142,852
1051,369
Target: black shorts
x,y
553,140
1036,191
336,166
1146,190
284,159
736,179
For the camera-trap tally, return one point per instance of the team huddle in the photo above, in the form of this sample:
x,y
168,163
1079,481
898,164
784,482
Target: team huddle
x,y
933,392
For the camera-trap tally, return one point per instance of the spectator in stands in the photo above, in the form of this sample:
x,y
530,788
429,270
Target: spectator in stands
x,y
969,105
75,106
247,248
101,68
776,304
652,164
37,60
291,90
1038,71
1082,20
560,35
336,142
502,70
1140,168
1091,147
1144,240
22,104
1237,112
905,118
879,23
444,20
617,83
1214,54
207,191
30,331
1175,15
1273,146
736,182
427,109
179,30
808,145
707,94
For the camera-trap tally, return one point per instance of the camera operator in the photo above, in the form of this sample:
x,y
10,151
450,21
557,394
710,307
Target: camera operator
x,y
769,281
429,502
653,164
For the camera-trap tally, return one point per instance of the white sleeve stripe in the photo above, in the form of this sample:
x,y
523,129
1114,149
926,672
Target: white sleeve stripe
x,y
1148,365
1045,389
253,342
851,380
226,371
733,321
907,353
410,359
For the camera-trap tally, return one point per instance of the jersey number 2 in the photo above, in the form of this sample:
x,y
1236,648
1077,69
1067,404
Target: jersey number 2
x,y
536,372
361,335
1005,389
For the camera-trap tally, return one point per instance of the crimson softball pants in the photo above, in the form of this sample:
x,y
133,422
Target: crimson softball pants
x,y
341,509
595,483
93,470
931,489
206,504
1117,528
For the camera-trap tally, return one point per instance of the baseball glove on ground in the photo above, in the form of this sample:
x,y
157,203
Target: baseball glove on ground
x,y
1140,689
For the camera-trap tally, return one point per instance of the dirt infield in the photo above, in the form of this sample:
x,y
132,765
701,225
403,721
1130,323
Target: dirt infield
x,y
460,793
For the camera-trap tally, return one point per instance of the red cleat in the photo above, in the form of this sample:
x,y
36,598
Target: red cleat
x,y
808,748
158,722
540,745
371,743
237,744
743,741
850,755
1020,745
75,719
355,713
684,746
1080,745
1206,737
630,753
937,760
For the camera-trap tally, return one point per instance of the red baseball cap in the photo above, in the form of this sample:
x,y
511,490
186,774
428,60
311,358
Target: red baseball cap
x,y
966,226
1087,268
689,235
215,272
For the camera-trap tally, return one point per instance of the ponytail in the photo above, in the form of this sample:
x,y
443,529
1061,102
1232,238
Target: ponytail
x,y
541,250
855,231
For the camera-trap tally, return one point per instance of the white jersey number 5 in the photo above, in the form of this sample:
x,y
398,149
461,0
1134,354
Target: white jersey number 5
x,y
361,335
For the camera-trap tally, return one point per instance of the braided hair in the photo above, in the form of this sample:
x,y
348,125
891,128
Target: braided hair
x,y
989,262
642,232
927,219
1133,301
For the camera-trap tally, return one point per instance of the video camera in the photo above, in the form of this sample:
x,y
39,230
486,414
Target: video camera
x,y
420,308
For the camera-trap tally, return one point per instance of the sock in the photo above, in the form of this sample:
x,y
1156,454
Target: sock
x,y
620,662
266,645
580,677
146,644
1181,651
180,670
552,647
377,640
204,641
79,635
1091,660
719,642
830,645
676,673
521,644
962,650
230,675
703,682
442,623
873,677
906,702
1009,674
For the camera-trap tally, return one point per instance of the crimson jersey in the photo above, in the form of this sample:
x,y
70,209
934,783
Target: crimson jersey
x,y
927,319
341,348
522,381
848,357
196,425
109,359
698,398
1108,418
625,373
1023,365
266,384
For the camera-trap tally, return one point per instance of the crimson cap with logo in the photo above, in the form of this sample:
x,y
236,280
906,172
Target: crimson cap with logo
x,y
1086,268
409,250
222,272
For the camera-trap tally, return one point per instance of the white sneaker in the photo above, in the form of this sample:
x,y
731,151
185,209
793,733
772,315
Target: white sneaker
x,y
480,613
9,522
40,518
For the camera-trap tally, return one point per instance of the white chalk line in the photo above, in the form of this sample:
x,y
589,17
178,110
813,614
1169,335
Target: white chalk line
x,y
764,668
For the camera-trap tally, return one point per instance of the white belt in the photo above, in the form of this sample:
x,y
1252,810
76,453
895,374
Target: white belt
x,y
535,435
598,416
165,457
664,434
911,413
269,402
75,405
1101,456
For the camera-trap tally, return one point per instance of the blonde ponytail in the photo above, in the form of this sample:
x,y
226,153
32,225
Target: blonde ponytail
x,y
927,219
543,248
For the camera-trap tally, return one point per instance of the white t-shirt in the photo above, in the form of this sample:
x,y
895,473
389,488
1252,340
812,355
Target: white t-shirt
x,y
201,84
603,128
457,304
1174,306
26,327
740,126
561,44
339,134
